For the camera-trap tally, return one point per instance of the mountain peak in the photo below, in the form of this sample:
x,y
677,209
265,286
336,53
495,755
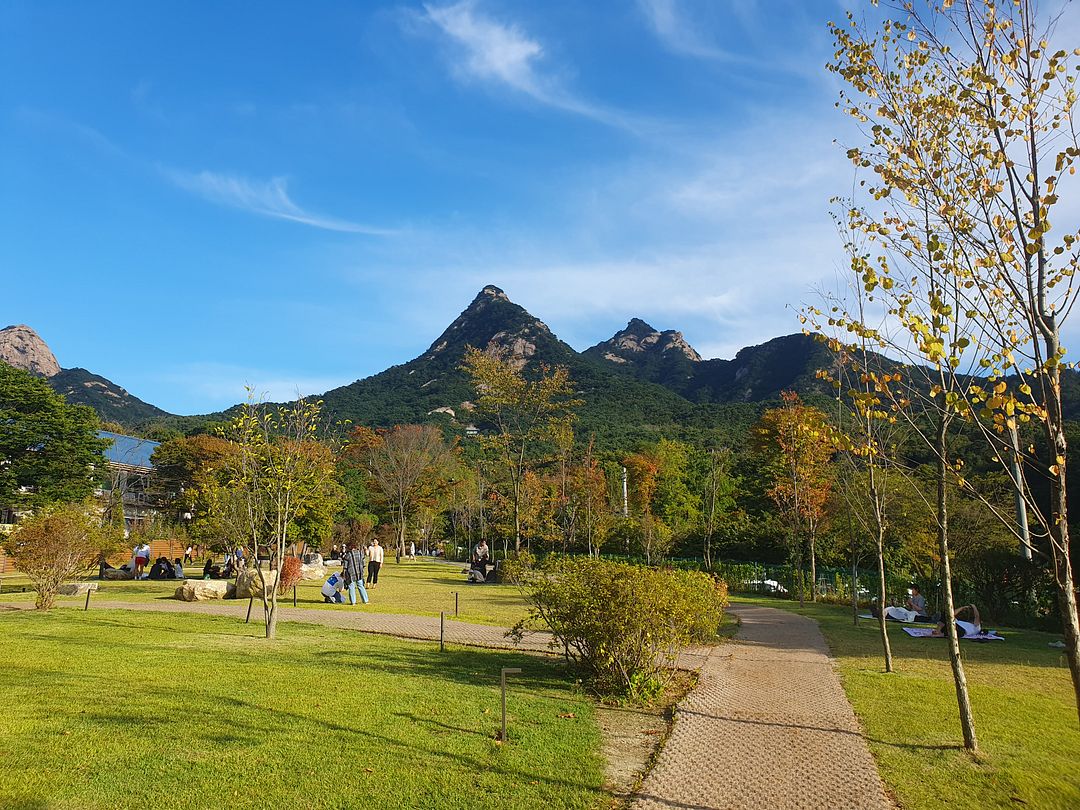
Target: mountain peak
x,y
638,327
490,292
640,341
22,347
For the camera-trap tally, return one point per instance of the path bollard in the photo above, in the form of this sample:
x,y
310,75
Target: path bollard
x,y
251,601
455,603
502,679
294,596
442,630
87,605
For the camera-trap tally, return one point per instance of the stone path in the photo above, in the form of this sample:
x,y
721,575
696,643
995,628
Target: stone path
x,y
768,726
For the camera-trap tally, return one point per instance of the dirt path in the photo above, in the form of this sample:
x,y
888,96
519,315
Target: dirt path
x,y
768,726
424,628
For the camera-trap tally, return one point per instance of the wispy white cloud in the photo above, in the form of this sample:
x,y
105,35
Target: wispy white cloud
x,y
269,198
505,55
678,33
225,383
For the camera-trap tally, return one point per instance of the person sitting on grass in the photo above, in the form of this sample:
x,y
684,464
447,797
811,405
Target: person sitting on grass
x,y
178,568
970,625
161,569
211,571
917,603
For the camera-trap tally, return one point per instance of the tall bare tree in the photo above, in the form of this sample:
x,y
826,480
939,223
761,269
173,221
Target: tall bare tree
x,y
966,115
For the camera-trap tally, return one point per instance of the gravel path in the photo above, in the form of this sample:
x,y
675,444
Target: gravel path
x,y
767,726
425,628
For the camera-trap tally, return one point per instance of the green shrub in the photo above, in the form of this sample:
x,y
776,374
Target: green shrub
x,y
623,625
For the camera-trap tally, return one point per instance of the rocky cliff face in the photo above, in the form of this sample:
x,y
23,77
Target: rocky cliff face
x,y
639,341
22,347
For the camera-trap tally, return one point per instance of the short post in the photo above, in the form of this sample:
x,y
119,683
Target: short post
x,y
502,679
294,596
87,605
442,630
251,601
455,603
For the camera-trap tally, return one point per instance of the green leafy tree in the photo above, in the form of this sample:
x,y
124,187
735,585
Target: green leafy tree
x,y
798,444
279,474
526,414
49,450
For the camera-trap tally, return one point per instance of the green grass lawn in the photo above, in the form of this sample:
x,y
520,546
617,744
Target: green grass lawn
x,y
114,709
1025,715
422,587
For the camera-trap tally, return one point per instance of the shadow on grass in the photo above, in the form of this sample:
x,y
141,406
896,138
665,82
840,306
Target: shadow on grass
x,y
456,664
491,765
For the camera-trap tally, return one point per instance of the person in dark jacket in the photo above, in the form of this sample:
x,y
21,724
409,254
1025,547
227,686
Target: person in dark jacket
x,y
352,568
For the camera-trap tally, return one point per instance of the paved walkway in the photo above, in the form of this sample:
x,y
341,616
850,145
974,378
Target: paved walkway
x,y
768,726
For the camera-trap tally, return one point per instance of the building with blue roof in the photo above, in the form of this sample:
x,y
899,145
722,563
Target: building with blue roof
x,y
129,450
129,479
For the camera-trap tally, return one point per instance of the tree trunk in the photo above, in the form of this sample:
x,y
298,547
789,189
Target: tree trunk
x,y
963,700
854,588
1059,525
813,570
883,628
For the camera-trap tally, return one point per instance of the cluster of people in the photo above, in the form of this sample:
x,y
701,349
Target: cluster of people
x,y
966,618
163,569
355,561
233,563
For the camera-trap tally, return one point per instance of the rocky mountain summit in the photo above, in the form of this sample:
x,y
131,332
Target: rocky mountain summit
x,y
22,347
639,340
639,383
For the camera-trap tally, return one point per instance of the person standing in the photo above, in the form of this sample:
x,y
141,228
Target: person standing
x,y
188,560
375,560
141,553
412,550
352,568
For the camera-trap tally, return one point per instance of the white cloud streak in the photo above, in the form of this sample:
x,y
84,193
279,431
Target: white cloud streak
x,y
677,33
269,198
225,383
506,56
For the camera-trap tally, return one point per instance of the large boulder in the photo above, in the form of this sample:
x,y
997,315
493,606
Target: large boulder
x,y
247,583
118,573
76,588
313,567
199,590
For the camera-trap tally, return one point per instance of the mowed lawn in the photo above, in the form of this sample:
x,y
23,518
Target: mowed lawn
x,y
1025,715
422,587
116,709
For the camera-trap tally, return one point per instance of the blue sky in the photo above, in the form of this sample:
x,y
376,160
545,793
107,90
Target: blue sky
x,y
200,195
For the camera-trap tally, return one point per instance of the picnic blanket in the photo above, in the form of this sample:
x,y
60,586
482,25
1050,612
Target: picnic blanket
x,y
928,632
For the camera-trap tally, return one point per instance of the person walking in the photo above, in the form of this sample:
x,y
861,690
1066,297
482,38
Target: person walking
x,y
352,568
187,556
375,560
412,550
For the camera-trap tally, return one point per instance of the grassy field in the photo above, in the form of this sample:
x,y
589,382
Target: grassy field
x,y
113,709
422,587
1025,716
